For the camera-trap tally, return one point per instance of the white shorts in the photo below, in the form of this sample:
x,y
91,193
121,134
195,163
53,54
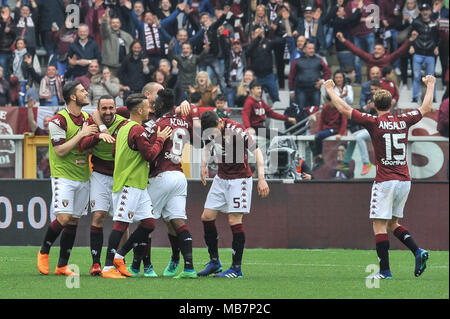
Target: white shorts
x,y
132,204
101,193
168,191
69,197
230,195
389,199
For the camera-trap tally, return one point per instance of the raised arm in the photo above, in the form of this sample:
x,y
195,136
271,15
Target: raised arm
x,y
338,102
427,103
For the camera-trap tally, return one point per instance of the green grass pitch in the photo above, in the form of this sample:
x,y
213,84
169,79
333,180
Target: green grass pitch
x,y
268,274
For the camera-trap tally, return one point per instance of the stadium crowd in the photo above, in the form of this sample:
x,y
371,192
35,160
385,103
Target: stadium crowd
x,y
218,48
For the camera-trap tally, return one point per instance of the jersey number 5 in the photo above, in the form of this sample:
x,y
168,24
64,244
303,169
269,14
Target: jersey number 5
x,y
392,142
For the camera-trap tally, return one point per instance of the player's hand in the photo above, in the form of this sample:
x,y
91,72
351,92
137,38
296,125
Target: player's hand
x,y
106,138
165,134
292,120
263,188
428,80
329,84
203,174
184,109
87,130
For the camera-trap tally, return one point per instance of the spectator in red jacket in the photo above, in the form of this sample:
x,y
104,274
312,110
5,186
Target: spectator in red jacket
x,y
331,123
255,111
387,83
379,57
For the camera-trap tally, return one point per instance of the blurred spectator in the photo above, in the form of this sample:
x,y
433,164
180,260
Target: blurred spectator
x,y
204,86
425,49
387,83
361,135
235,66
261,61
22,63
14,89
306,76
331,123
7,37
311,27
442,126
93,69
63,38
115,42
344,90
187,65
379,57
34,128
182,37
261,20
296,50
339,22
243,88
410,12
103,84
50,90
151,36
221,109
25,22
363,32
341,173
134,72
160,77
5,95
93,20
374,74
51,14
255,111
170,76
81,53
441,13
390,13
212,37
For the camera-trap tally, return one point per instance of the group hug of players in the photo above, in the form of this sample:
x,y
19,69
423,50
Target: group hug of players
x,y
137,177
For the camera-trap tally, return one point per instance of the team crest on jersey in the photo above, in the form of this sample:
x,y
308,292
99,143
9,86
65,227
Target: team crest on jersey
x,y
80,161
130,215
65,202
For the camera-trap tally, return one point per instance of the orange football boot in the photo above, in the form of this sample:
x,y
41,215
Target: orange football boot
x,y
42,263
121,267
96,270
65,271
112,274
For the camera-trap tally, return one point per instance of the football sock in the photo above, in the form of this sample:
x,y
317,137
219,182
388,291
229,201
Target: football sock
x,y
405,237
96,243
114,240
185,243
138,238
53,231
175,249
382,245
237,244
66,244
147,260
211,239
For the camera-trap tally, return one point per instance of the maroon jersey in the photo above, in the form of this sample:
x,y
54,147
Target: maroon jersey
x,y
169,159
389,134
236,140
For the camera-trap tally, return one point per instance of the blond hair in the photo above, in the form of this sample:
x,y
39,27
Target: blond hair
x,y
382,99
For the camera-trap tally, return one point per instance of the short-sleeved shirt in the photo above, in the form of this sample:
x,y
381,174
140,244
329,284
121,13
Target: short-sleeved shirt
x,y
236,140
170,157
389,134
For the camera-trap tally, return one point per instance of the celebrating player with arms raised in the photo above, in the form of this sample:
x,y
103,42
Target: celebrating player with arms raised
x,y
231,191
389,134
